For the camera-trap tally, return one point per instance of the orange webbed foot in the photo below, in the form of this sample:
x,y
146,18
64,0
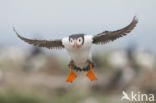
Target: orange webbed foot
x,y
71,77
91,75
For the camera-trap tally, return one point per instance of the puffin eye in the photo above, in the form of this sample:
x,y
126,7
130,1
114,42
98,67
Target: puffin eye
x,y
79,41
71,41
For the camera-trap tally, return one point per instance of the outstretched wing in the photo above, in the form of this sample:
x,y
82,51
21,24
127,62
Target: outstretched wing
x,y
107,36
42,43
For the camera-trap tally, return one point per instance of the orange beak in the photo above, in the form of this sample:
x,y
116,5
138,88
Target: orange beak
x,y
75,46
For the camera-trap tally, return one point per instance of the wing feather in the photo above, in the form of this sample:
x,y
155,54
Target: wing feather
x,y
42,43
107,36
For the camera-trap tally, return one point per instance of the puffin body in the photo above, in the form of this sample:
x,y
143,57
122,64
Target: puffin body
x,y
81,56
78,47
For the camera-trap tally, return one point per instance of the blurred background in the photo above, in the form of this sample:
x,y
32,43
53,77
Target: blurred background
x,y
36,75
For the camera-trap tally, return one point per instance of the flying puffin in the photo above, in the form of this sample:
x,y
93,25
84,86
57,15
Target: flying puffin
x,y
79,48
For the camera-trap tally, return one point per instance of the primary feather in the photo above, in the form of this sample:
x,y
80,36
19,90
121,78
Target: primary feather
x,y
41,43
107,36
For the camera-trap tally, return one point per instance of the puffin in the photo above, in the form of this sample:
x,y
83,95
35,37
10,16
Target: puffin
x,y
79,46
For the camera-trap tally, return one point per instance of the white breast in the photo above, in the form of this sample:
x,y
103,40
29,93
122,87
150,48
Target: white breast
x,y
82,54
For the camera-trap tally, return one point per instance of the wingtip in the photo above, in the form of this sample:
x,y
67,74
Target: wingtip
x,y
14,29
135,18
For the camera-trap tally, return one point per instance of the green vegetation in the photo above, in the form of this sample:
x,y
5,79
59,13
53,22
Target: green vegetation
x,y
20,97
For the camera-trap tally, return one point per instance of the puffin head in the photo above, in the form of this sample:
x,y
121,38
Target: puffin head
x,y
76,40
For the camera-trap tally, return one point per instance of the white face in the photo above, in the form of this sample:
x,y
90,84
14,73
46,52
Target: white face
x,y
76,42
71,42
79,41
